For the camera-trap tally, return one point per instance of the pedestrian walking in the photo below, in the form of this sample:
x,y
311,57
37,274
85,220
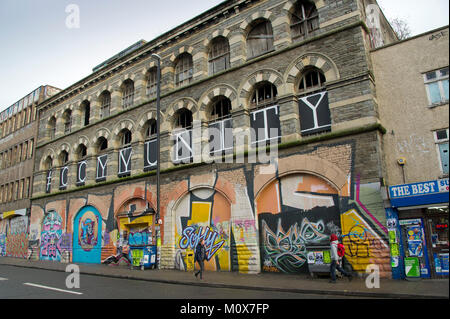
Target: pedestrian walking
x,y
200,256
336,254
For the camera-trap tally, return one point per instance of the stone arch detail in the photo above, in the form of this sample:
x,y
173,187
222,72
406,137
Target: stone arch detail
x,y
318,60
268,75
48,152
218,90
304,164
262,14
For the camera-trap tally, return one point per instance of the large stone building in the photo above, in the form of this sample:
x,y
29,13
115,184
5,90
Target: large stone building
x,y
18,135
412,91
299,73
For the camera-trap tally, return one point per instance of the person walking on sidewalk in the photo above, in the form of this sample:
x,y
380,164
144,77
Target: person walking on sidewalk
x,y
335,260
200,256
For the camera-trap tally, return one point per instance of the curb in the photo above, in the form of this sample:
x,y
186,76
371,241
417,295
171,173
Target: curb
x,y
347,293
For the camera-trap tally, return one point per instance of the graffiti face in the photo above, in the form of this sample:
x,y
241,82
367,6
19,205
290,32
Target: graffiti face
x,y
88,231
50,237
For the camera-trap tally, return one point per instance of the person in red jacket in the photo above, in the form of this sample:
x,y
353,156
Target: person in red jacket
x,y
335,260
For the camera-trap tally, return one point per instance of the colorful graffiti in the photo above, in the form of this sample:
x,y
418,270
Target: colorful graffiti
x,y
88,231
50,237
17,237
287,231
204,214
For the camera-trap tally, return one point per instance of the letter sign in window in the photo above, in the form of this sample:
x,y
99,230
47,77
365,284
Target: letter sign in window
x,y
315,114
125,161
265,124
81,173
102,167
150,154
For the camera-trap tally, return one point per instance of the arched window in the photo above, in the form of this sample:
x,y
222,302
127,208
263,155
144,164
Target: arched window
x,y
52,127
313,80
265,116
64,158
183,119
260,39
184,69
105,104
314,110
67,118
102,144
127,94
125,137
86,111
221,108
81,151
304,19
220,127
150,129
265,93
219,55
151,82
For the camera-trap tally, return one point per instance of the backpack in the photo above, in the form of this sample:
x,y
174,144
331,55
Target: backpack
x,y
340,250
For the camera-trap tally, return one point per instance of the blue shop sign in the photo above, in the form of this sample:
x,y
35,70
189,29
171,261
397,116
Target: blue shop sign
x,y
432,192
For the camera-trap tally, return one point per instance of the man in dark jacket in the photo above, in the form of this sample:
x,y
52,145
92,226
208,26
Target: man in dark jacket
x,y
200,256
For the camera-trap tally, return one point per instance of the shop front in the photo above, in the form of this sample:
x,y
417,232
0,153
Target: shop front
x,y
418,221
136,232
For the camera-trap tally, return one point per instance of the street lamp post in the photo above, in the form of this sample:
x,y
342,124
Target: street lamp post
x,y
158,150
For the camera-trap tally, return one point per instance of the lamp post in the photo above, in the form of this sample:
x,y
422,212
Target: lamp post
x,y
158,150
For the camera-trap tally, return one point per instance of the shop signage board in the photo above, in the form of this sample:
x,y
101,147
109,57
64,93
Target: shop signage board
x,y
431,192
412,267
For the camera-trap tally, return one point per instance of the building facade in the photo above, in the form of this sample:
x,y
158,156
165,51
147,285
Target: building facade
x,y
415,115
18,134
238,78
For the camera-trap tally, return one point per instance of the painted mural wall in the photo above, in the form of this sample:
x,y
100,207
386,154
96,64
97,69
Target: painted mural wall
x,y
251,221
14,237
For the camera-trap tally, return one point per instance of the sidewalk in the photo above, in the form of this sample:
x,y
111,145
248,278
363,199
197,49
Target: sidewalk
x,y
425,288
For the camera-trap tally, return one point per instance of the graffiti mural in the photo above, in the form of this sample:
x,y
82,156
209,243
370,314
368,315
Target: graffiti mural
x,y
204,214
50,237
16,244
300,220
87,236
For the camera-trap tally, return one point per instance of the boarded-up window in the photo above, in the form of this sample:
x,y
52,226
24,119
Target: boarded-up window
x,y
183,152
260,39
219,55
304,20
265,125
184,69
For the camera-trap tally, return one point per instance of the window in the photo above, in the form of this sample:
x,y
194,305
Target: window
x,y
152,83
183,152
150,148
105,102
260,39
263,95
67,121
102,159
219,55
441,138
125,154
81,165
128,94
52,127
86,109
314,110
64,173
436,84
304,19
265,119
184,70
220,128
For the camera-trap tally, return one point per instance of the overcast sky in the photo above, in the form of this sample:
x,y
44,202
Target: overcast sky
x,y
38,48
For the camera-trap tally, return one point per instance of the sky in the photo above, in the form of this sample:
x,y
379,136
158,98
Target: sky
x,y
42,42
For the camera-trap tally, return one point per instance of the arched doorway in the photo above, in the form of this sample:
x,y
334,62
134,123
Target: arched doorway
x,y
87,236
203,214
296,215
